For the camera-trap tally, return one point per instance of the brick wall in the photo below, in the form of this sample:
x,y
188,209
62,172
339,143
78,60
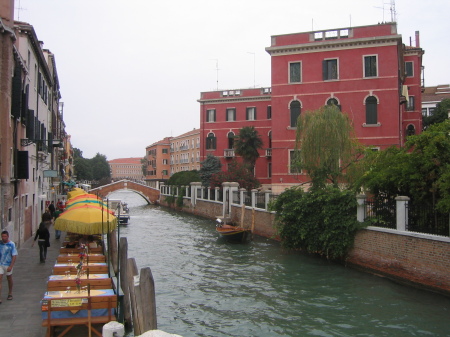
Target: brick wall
x,y
419,259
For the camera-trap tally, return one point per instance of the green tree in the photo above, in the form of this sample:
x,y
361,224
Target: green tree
x,y
325,145
419,170
209,166
237,172
144,166
439,115
247,144
77,153
100,167
83,170
184,178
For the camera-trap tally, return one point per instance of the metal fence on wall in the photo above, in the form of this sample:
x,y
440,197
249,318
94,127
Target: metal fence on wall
x,y
427,219
381,213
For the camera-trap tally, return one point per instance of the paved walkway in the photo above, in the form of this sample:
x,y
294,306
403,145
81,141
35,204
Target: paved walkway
x,y
22,317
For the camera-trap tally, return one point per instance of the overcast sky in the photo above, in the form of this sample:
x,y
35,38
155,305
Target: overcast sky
x,y
131,71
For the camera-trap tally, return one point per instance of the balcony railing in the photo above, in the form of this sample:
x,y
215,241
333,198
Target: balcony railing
x,y
228,153
268,152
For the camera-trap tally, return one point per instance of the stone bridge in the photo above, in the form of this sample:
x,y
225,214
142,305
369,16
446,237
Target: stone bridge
x,y
150,194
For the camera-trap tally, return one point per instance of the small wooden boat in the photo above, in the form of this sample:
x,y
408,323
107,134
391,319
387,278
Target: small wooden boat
x,y
232,233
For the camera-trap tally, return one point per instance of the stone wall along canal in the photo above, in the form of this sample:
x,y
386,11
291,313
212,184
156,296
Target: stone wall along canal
x,y
208,287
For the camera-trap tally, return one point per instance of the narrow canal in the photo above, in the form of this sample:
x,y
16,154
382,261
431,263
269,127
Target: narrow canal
x,y
208,287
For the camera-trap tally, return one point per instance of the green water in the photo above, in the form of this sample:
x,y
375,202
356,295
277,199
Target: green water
x,y
208,287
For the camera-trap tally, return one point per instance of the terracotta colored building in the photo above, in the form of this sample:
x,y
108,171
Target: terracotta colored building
x,y
126,168
158,162
366,71
432,96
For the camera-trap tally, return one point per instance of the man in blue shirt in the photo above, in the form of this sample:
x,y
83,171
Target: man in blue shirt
x,y
8,255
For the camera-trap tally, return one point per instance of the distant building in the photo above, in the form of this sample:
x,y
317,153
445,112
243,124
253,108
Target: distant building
x,y
432,96
157,157
185,152
126,168
367,72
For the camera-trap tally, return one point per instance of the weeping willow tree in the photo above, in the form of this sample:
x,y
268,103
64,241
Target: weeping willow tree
x,y
325,145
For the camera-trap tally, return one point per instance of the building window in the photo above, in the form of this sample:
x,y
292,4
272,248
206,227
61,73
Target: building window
x,y
371,110
295,108
370,66
295,69
409,69
269,170
251,114
330,69
334,101
410,130
211,115
411,103
294,157
211,141
269,112
231,115
230,140
165,150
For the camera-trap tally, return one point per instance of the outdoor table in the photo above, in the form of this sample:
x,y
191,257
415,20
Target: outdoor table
x,y
62,282
63,258
93,267
70,308
64,250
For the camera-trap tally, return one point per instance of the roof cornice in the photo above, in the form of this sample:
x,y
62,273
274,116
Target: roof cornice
x,y
235,99
340,44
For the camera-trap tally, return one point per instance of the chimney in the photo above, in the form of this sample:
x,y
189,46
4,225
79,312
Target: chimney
x,y
417,39
7,12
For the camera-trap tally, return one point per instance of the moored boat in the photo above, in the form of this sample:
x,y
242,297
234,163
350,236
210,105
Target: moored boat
x,y
232,233
121,210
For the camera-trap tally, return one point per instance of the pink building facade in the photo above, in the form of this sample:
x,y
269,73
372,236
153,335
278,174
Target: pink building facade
x,y
366,71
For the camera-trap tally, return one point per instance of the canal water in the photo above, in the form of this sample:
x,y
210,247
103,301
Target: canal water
x,y
208,287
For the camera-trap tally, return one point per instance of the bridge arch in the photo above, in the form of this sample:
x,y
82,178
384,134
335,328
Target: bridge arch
x,y
150,194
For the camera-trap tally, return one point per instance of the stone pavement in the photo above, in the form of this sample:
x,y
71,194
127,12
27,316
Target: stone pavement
x,y
22,317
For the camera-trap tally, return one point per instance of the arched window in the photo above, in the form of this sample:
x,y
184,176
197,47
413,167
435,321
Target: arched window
x,y
371,110
334,101
211,141
295,109
230,139
410,130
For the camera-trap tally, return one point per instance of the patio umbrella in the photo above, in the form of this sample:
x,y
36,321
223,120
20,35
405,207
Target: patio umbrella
x,y
87,201
87,220
75,192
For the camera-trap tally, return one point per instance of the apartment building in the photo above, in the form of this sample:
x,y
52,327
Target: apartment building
x,y
126,168
366,71
158,162
185,152
32,128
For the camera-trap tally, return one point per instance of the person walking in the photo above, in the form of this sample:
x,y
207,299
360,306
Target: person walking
x,y
52,208
55,216
8,255
43,237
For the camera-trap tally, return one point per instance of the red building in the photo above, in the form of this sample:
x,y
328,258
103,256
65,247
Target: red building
x,y
367,71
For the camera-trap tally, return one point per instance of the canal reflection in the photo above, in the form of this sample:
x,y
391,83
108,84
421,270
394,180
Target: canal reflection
x,y
208,287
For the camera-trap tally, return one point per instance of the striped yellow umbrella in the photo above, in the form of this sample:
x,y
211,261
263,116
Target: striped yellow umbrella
x,y
86,219
75,192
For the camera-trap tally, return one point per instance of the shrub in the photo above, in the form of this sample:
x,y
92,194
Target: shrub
x,y
322,221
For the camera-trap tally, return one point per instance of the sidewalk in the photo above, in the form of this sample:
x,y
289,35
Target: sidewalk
x,y
22,316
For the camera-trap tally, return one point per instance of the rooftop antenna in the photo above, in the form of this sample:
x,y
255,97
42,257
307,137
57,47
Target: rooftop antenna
x,y
217,73
382,8
254,68
19,8
393,12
